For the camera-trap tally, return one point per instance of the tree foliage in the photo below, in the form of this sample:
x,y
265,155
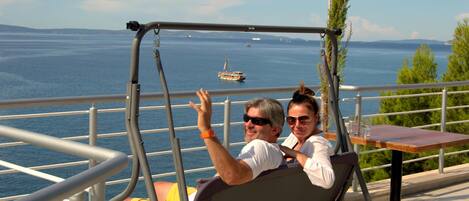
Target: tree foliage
x,y
337,20
458,70
337,16
423,70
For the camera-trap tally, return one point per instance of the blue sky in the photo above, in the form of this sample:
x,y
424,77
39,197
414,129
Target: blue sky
x,y
371,19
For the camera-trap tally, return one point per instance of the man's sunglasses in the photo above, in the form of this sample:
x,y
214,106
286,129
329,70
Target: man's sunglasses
x,y
302,119
257,120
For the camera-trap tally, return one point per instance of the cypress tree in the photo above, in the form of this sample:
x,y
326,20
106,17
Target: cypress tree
x,y
337,16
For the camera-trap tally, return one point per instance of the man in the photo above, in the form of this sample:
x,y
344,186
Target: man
x,y
263,122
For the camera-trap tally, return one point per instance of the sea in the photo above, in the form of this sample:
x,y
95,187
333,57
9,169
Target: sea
x,y
45,65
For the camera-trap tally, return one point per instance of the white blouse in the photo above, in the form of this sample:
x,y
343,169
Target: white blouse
x,y
318,165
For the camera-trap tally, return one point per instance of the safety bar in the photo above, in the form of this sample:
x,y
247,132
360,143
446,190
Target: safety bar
x,y
135,26
112,162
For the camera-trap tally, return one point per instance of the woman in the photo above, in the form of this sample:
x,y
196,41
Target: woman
x,y
305,144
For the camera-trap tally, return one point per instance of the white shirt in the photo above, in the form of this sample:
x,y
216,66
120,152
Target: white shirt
x,y
260,156
318,165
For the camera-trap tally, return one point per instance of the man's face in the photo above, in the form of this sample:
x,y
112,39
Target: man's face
x,y
256,127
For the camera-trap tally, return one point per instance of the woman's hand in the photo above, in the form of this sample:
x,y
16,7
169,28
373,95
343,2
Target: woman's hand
x,y
288,152
300,157
204,111
201,181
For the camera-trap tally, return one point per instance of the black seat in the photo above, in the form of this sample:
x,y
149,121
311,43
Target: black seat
x,y
283,184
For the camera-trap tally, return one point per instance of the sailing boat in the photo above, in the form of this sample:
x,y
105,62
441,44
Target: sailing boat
x,y
230,75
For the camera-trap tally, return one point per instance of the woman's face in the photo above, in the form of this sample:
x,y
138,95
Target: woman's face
x,y
302,121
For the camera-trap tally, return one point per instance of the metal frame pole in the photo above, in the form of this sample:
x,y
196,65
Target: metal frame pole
x,y
97,191
132,104
177,156
441,155
226,124
356,148
342,138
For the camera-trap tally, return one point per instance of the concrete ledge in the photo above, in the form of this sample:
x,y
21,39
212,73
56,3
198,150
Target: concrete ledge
x,y
415,183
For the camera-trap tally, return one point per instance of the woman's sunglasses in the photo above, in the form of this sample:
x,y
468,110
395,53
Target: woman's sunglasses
x,y
257,120
302,119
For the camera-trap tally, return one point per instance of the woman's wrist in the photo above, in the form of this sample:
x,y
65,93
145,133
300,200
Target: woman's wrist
x,y
293,153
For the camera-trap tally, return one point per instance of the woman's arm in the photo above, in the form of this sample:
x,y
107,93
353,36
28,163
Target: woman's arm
x,y
318,166
315,162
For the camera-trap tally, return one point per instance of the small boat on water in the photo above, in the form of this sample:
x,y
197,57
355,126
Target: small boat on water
x,y
230,75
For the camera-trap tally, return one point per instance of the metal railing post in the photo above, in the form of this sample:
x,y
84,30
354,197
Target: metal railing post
x,y
226,123
96,191
356,148
441,156
77,197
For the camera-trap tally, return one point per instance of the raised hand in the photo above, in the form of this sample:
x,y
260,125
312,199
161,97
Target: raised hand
x,y
204,110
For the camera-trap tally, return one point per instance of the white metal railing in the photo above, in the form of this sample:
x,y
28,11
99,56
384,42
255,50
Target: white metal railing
x,y
112,162
93,112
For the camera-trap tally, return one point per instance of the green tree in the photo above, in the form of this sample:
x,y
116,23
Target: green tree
x,y
337,16
458,70
423,70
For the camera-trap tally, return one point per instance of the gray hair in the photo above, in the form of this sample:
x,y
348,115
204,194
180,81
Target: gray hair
x,y
270,108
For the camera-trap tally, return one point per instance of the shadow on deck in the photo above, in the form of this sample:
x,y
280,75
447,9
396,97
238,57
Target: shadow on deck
x,y
422,186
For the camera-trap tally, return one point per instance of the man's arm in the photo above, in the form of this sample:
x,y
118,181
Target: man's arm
x,y
231,171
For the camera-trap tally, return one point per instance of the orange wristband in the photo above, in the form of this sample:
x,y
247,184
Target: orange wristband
x,y
207,134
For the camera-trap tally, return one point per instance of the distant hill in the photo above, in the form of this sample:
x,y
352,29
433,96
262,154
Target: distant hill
x,y
171,33
21,29
10,28
195,34
413,41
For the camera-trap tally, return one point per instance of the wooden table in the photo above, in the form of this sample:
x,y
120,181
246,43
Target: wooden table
x,y
402,139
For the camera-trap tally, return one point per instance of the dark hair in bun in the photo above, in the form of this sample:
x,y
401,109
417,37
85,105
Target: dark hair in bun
x,y
304,95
